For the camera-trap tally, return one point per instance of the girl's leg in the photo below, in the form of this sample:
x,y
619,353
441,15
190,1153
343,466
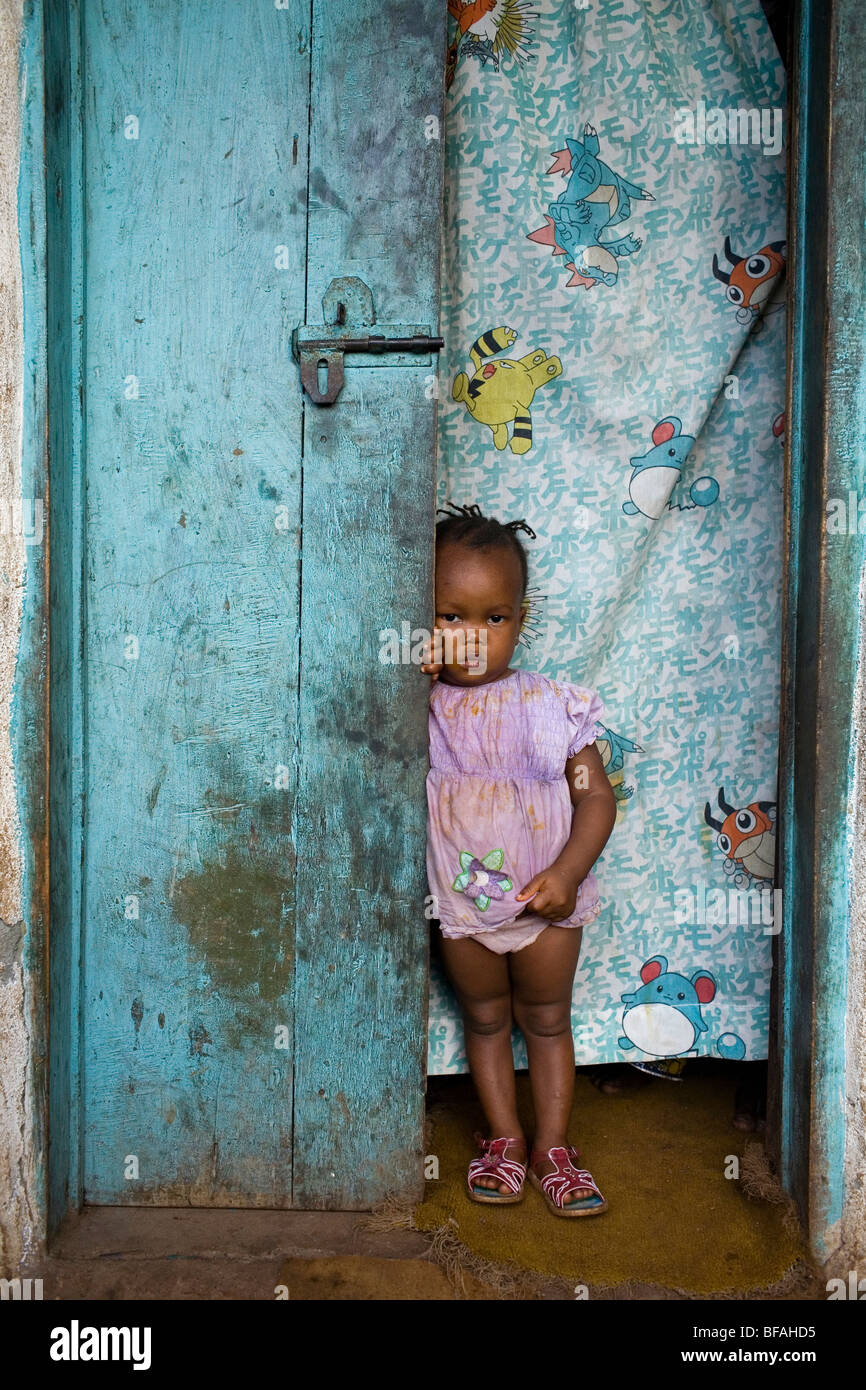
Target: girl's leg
x,y
483,988
542,977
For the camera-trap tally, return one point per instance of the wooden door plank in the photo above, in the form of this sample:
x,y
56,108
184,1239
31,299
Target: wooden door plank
x,y
24,855
362,946
66,303
195,145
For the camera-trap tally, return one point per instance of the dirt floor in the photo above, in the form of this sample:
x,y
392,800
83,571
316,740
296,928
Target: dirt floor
x,y
137,1253
167,1253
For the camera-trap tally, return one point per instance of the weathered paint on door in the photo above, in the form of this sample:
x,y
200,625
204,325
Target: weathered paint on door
x,y
819,992
251,777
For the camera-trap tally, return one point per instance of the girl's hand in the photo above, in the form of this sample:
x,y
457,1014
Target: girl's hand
x,y
430,667
554,893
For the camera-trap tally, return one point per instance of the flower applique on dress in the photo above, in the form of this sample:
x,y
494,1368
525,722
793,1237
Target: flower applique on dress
x,y
481,879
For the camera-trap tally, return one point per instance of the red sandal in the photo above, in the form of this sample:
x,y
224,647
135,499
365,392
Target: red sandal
x,y
493,1163
555,1187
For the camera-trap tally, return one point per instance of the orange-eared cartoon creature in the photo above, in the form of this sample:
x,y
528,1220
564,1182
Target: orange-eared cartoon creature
x,y
747,839
503,391
751,279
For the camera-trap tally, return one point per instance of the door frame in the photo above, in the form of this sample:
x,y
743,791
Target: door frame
x,y
819,979
820,652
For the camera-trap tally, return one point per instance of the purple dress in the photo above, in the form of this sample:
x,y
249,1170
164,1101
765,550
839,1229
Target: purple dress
x,y
498,802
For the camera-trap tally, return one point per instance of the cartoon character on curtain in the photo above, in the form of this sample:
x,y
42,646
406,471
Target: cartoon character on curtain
x,y
657,472
490,30
594,199
747,839
751,280
613,748
500,393
664,1019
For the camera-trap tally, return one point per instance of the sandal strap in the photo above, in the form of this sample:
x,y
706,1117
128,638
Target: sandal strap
x,y
506,1170
493,1163
504,1140
568,1149
558,1185
567,1178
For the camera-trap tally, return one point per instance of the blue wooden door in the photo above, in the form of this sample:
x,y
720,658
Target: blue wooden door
x,y
253,945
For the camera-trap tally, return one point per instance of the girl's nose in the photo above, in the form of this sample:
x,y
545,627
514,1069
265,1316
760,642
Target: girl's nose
x,y
476,646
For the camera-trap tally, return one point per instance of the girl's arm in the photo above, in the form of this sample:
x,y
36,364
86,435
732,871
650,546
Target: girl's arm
x,y
555,888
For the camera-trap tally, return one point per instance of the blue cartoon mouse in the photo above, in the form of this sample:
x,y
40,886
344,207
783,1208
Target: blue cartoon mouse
x,y
663,1017
657,472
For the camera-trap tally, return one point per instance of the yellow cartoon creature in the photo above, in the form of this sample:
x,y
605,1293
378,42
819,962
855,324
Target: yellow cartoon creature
x,y
504,390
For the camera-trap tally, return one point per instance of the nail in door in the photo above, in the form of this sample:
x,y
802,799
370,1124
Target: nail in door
x,y
254,956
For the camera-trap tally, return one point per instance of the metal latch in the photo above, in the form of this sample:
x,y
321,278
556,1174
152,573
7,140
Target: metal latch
x,y
347,319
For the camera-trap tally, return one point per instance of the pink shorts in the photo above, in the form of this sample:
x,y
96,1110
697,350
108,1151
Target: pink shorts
x,y
515,935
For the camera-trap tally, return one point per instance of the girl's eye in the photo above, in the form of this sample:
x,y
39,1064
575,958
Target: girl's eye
x,y
496,618
448,617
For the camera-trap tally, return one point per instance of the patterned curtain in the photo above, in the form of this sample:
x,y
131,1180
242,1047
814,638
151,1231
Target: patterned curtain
x,y
613,372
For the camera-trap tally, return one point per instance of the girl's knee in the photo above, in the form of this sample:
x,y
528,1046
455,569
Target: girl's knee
x,y
487,1017
547,1020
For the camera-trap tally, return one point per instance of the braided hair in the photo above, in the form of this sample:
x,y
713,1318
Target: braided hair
x,y
470,527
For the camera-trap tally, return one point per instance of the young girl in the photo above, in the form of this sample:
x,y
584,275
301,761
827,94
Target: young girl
x,y
519,809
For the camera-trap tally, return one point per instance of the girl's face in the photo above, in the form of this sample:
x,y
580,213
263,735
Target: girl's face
x,y
479,600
